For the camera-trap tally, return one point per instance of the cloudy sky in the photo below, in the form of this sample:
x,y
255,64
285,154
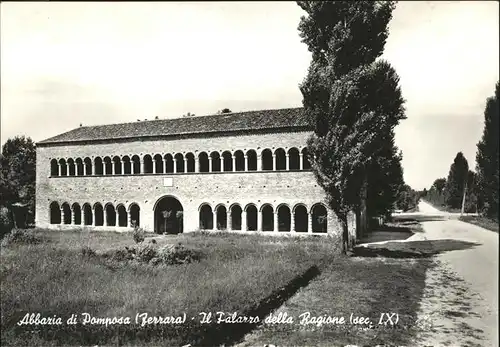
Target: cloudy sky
x,y
66,64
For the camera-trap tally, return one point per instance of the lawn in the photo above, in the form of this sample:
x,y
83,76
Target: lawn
x,y
248,274
481,221
52,278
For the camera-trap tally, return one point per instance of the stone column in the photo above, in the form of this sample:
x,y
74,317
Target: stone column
x,y
259,163
292,223
301,161
243,221
73,216
234,162
185,164
214,219
229,221
63,216
59,168
92,167
210,164
123,166
245,163
84,169
175,164
154,165
276,225
310,223
142,167
82,216
164,165
105,212
93,217
197,164
287,162
274,162
113,167
129,219
259,220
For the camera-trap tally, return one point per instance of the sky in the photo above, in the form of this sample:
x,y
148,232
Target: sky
x,y
66,64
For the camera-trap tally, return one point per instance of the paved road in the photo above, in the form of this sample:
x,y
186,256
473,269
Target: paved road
x,y
477,266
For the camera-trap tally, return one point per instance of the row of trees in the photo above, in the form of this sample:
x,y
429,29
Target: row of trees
x,y
356,102
474,191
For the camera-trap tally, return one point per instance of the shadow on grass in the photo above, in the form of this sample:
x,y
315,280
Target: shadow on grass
x,y
412,249
229,334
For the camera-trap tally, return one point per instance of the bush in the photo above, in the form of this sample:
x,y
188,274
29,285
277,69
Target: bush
x,y
138,234
5,221
20,236
87,252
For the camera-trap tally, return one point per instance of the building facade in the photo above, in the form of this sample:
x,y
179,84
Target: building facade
x,y
241,172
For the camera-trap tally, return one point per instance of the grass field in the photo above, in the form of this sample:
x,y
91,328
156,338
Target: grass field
x,y
236,273
481,221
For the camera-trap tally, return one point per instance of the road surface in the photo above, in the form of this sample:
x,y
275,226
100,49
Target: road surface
x,y
462,291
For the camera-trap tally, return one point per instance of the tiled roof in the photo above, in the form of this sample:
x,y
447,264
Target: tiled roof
x,y
221,123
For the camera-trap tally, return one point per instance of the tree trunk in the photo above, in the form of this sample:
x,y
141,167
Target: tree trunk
x,y
345,233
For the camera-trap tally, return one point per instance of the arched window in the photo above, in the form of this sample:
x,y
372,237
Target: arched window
x,y
108,166
98,167
284,218
206,217
251,217
135,214
55,213
117,163
158,164
110,215
54,168
179,162
215,161
87,162
71,167
267,218
228,161
239,160
280,159
221,217
319,219
236,217
203,158
190,162
294,159
169,162
301,219
267,159
64,167
251,160
77,211
98,214
148,164
66,210
306,165
79,167
122,216
127,165
136,164
87,214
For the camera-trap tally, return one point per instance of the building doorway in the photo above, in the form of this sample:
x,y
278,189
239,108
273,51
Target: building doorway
x,y
168,216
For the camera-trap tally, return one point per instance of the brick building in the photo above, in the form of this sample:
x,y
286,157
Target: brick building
x,y
242,172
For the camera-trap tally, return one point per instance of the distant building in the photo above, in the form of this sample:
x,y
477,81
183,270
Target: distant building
x,y
245,172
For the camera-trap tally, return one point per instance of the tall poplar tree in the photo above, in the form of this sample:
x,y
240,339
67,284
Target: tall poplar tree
x,y
354,99
487,157
455,184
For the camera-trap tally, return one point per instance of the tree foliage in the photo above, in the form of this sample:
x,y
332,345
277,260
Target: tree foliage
x,y
455,183
354,100
487,157
17,173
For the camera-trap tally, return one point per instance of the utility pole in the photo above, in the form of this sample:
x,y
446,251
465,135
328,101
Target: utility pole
x,y
463,200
